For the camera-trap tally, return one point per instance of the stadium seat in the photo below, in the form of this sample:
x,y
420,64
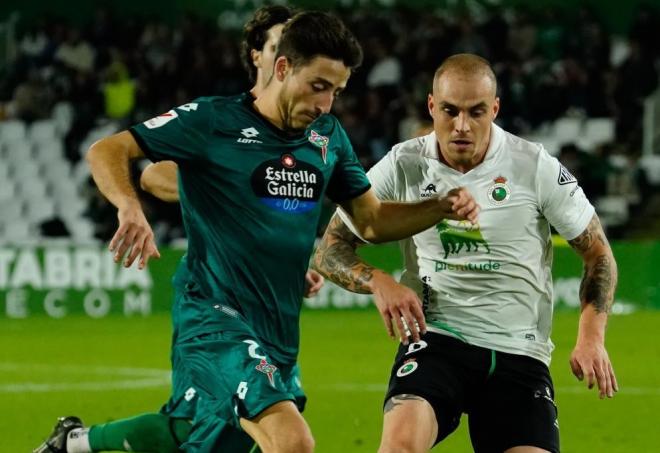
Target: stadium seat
x,y
4,170
11,210
39,209
42,131
651,167
12,130
30,188
49,152
81,229
17,150
56,172
18,231
612,210
25,169
567,129
70,209
63,117
599,130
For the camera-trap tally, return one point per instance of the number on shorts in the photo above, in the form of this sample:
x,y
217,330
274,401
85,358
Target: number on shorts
x,y
252,350
242,390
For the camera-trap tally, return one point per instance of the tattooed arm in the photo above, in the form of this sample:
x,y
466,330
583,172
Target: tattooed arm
x,y
336,259
589,358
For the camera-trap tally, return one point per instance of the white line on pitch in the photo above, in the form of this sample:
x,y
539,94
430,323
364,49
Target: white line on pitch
x,y
83,369
33,387
381,388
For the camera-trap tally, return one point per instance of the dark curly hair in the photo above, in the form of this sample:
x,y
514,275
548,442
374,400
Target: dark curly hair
x,y
313,33
255,33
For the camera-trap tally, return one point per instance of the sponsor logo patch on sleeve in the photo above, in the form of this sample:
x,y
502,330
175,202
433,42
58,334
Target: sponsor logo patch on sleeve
x,y
160,120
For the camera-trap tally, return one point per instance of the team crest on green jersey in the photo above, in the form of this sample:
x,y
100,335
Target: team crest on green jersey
x,y
499,192
267,369
321,141
454,236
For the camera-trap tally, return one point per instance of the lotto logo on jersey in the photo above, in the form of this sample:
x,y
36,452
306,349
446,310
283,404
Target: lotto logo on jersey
x,y
161,120
288,184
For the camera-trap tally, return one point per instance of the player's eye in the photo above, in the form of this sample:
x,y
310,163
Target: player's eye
x,y
450,111
318,87
477,113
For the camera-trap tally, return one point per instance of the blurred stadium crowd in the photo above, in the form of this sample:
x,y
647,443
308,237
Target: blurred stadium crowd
x,y
564,80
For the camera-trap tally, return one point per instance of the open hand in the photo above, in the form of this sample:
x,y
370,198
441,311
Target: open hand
x,y
134,236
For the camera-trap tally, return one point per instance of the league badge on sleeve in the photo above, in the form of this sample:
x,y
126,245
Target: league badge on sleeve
x,y
160,120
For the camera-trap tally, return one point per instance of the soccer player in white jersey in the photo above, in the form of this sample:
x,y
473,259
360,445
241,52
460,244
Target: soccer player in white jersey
x,y
482,346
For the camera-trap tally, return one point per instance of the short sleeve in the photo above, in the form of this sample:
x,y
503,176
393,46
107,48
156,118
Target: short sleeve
x,y
383,177
563,202
182,134
348,179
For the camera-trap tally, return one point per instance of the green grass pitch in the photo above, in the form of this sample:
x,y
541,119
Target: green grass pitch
x,y
115,367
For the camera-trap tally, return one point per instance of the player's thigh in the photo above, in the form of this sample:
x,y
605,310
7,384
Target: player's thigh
x,y
234,378
184,395
292,379
409,424
280,428
516,408
441,370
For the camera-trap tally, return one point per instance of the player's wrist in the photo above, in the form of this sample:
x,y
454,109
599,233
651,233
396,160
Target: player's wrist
x,y
129,204
380,279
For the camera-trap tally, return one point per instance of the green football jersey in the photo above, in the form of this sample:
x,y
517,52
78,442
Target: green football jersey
x,y
251,200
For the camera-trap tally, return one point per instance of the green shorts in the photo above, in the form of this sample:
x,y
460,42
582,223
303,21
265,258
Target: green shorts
x,y
183,400
233,378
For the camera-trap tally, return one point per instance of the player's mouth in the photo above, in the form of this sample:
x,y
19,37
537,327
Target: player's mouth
x,y
461,143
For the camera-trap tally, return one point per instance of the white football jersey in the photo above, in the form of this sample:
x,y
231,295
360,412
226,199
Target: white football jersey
x,y
489,284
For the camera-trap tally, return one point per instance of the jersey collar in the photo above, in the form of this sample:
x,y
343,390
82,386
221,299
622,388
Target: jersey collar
x,y
430,150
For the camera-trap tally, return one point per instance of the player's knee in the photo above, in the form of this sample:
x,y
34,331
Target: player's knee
x,y
400,442
300,441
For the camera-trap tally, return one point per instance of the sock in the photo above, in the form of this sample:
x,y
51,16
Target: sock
x,y
77,441
149,433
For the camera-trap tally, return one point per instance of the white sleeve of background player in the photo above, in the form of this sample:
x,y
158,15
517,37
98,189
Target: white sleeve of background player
x,y
382,177
561,199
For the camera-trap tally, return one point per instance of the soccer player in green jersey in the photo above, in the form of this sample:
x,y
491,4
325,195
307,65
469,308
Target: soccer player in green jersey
x,y
486,288
251,175
166,431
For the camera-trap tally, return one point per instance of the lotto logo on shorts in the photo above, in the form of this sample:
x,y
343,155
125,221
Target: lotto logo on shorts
x,y
408,367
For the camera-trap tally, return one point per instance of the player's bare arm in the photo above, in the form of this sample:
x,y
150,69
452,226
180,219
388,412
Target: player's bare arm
x,y
109,160
383,221
159,179
589,358
337,260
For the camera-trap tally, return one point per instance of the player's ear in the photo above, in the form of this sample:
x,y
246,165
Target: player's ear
x,y
282,68
256,57
431,104
496,107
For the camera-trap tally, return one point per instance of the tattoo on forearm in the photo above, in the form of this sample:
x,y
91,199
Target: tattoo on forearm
x,y
337,260
592,234
396,400
600,274
596,287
